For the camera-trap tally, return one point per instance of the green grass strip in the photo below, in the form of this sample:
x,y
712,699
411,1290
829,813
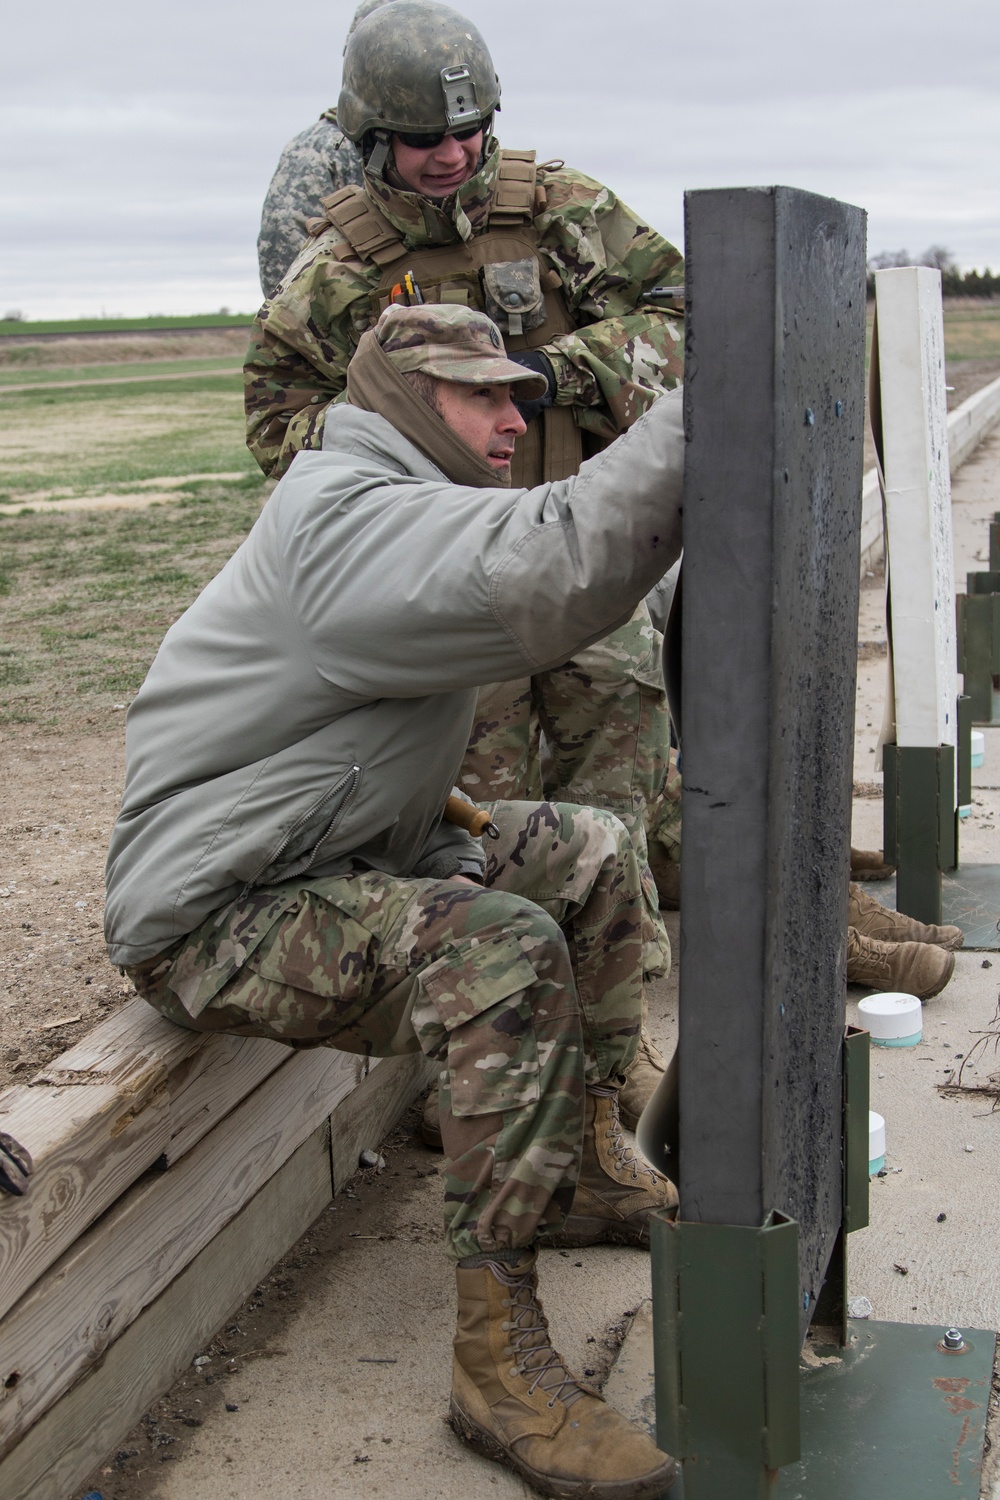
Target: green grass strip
x,y
124,325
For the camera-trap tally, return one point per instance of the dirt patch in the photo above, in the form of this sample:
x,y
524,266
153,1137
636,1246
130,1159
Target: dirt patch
x,y
124,349
58,801
85,599
967,376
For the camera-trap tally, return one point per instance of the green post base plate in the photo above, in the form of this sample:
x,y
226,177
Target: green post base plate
x,y
893,1417
970,899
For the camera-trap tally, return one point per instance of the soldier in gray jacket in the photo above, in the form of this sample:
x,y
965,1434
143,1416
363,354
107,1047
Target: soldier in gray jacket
x,y
282,864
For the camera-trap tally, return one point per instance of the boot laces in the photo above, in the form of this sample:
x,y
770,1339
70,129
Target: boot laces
x,y
625,1158
527,1329
866,950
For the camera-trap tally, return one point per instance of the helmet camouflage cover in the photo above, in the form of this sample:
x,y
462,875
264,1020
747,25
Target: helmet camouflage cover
x,y
416,67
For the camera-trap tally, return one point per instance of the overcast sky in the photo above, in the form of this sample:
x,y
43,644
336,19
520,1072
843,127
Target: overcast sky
x,y
138,140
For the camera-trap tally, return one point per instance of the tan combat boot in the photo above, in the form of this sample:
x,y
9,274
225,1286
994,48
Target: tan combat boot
x,y
514,1401
641,1078
920,969
871,919
869,864
617,1190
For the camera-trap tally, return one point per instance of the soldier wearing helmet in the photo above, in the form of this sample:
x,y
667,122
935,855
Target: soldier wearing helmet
x,y
576,282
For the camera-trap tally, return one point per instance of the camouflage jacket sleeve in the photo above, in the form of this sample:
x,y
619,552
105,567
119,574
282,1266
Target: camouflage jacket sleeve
x,y
606,258
300,346
316,162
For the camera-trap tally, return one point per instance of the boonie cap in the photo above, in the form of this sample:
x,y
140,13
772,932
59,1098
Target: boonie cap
x,y
452,342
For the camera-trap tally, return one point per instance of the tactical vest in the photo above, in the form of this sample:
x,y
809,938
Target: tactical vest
x,y
499,272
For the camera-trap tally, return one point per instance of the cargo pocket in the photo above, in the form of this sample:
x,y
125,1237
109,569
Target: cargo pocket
x,y
477,1012
324,950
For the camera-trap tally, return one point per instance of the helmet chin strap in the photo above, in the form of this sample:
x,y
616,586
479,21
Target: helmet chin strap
x,y
380,154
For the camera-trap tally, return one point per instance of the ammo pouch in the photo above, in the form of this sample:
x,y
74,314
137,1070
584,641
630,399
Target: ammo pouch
x,y
513,296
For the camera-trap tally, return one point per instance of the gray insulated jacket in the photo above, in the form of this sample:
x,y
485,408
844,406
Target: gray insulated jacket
x,y
308,714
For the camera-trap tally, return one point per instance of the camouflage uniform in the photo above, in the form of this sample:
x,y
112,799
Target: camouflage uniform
x,y
618,360
604,713
523,990
318,161
662,820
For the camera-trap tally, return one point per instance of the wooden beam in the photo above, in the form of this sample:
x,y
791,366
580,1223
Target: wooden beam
x,y
70,1318
88,1144
136,1089
363,1119
73,1437
217,1078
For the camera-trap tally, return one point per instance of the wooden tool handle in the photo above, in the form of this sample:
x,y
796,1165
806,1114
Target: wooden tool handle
x,y
464,815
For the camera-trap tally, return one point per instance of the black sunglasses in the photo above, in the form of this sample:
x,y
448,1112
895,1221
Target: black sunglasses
x,y
426,142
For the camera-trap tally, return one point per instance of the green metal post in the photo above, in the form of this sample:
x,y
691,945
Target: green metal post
x,y
912,827
830,1312
979,647
995,543
726,1347
857,1084
964,753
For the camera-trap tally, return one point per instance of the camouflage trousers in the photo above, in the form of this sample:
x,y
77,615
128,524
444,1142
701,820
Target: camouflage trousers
x,y
522,990
606,732
663,820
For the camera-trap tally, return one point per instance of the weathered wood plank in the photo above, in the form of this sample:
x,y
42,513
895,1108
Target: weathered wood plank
x,y
70,1318
216,1080
122,1050
88,1144
137,1088
72,1438
207,1075
365,1116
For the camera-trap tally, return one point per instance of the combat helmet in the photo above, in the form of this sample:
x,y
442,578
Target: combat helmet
x,y
415,68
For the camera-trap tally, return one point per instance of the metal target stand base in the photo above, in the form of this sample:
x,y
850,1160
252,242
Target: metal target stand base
x,y
894,1415
890,1415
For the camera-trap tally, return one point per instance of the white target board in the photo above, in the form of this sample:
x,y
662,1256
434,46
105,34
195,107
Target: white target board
x,y
914,414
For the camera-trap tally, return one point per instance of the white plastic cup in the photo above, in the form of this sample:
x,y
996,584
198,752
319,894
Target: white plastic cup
x,y
978,748
893,1020
876,1143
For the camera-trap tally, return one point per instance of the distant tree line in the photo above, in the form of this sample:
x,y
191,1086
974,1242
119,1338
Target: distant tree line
x,y
954,283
